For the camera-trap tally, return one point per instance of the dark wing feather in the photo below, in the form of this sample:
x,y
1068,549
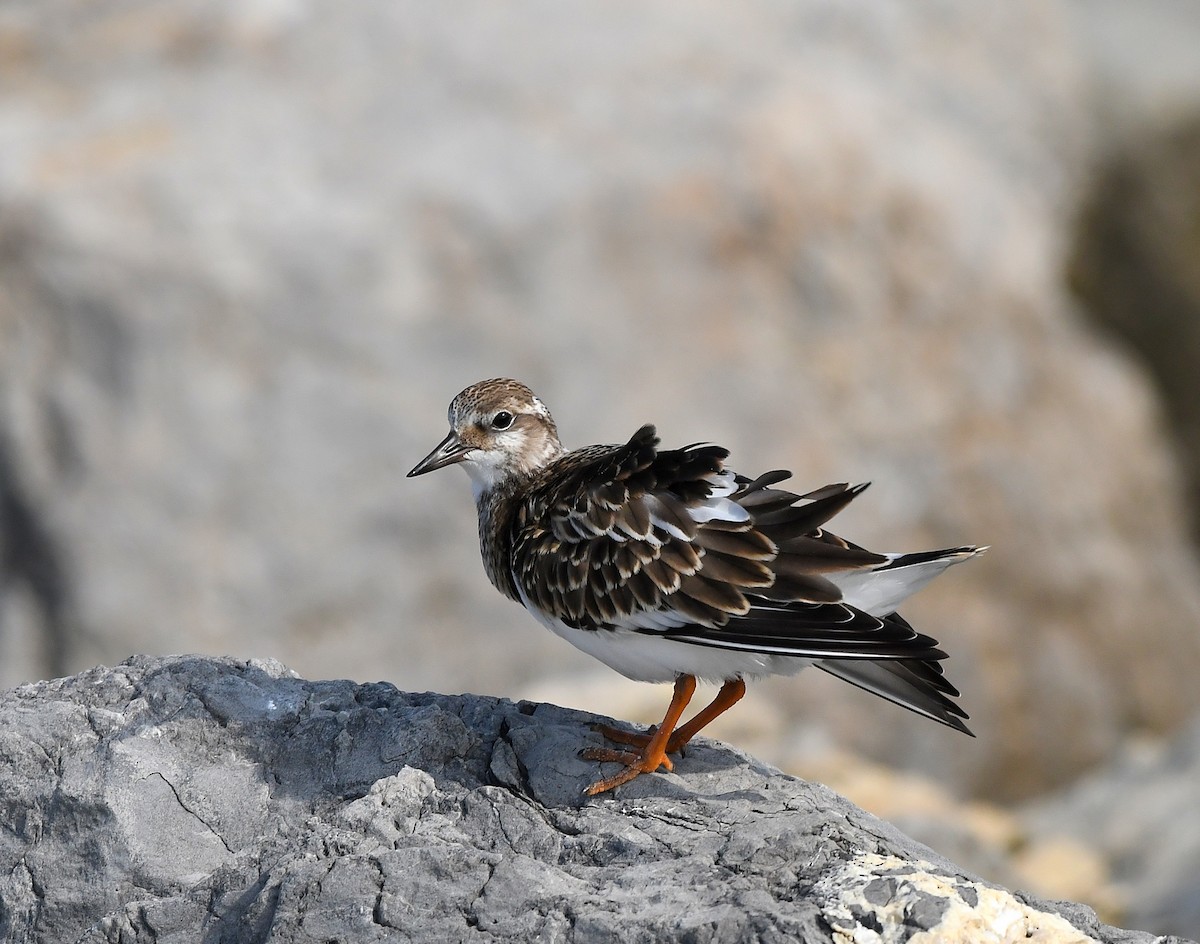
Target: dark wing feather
x,y
818,630
918,685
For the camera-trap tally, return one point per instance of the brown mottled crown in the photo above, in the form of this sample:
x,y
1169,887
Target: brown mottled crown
x,y
499,393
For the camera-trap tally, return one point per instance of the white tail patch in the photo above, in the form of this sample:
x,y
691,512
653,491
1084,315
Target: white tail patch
x,y
880,590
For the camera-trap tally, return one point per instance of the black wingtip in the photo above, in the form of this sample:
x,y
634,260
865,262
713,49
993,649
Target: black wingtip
x,y
957,724
646,435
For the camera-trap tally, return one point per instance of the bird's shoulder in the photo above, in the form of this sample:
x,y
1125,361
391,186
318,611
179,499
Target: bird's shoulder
x,y
618,490
608,473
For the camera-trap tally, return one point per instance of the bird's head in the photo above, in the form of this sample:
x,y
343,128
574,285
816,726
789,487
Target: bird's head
x,y
499,431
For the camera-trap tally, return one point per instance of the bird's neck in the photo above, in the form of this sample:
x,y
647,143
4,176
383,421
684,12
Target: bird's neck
x,y
497,507
499,472
499,492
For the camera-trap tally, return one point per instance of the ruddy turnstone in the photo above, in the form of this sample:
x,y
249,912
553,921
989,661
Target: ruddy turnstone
x,y
668,567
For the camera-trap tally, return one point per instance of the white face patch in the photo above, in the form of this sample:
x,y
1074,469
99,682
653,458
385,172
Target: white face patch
x,y
485,468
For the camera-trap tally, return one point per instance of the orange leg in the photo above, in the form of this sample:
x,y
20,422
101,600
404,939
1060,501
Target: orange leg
x,y
654,754
729,695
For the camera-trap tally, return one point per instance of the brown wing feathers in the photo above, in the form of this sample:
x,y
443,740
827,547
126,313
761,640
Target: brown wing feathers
x,y
608,533
609,536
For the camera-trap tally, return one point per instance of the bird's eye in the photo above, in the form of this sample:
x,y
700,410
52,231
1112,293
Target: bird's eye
x,y
502,420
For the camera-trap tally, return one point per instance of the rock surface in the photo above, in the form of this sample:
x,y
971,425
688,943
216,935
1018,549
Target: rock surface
x,y
1139,811
185,799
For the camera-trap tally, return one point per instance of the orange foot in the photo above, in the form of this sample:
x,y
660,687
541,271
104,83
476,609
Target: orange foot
x,y
621,736
634,766
659,741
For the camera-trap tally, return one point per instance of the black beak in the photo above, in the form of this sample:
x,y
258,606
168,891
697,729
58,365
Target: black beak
x,y
449,451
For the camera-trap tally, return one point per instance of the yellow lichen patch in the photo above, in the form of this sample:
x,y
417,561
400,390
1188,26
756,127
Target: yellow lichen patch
x,y
1007,852
877,899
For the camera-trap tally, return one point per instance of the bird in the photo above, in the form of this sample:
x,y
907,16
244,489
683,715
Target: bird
x,y
668,566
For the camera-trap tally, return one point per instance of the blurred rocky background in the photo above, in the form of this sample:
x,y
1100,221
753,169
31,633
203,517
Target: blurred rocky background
x,y
249,250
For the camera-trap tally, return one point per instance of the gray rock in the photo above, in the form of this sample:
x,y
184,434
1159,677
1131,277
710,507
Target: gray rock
x,y
1143,61
1140,812
188,799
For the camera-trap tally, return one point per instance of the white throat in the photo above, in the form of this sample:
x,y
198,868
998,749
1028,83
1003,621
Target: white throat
x,y
484,475
493,468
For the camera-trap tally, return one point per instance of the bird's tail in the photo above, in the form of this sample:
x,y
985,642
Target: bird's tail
x,y
915,685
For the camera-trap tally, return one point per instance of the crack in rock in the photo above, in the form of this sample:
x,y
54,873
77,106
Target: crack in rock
x,y
187,809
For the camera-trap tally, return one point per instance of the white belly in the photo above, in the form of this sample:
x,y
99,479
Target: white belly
x,y
646,657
